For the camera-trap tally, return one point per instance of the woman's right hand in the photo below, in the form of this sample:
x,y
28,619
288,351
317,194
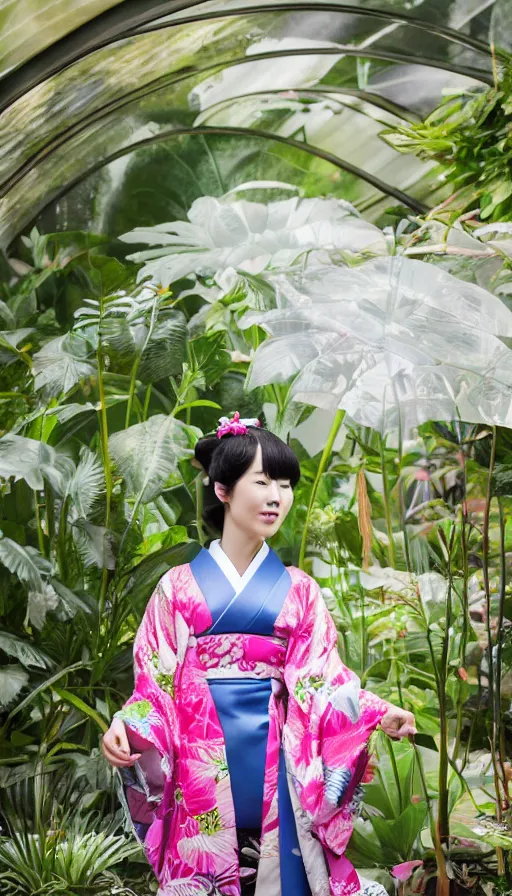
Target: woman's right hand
x,y
115,746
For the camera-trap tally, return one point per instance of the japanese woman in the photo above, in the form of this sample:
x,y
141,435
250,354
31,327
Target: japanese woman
x,y
245,742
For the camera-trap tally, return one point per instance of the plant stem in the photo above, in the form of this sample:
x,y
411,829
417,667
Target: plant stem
x,y
146,403
107,469
40,533
131,393
443,806
199,510
336,424
396,775
424,787
488,608
61,541
387,506
465,604
498,732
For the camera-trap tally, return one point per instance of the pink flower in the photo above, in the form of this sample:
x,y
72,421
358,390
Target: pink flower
x,y
235,426
404,871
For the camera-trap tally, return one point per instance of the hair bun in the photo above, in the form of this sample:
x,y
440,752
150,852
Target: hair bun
x,y
205,449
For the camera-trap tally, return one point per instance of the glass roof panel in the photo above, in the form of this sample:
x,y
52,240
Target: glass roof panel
x,y
318,80
29,26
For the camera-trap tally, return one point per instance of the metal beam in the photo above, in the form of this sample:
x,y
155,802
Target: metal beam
x,y
132,16
387,189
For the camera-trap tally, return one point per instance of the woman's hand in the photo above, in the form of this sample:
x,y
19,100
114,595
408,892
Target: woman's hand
x,y
398,722
115,746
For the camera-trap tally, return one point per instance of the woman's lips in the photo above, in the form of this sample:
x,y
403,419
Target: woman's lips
x,y
269,517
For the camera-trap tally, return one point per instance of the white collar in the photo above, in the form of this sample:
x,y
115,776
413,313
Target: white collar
x,y
233,576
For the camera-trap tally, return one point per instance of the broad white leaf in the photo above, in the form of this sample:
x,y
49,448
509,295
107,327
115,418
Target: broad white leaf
x,y
25,562
94,543
394,342
39,604
250,236
500,31
24,651
13,679
433,587
62,363
33,461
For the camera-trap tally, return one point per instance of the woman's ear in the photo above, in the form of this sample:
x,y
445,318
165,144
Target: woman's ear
x,y
221,491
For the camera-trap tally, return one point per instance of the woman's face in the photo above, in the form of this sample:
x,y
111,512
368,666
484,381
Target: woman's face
x,y
257,505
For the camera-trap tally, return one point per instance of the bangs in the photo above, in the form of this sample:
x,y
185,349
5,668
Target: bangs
x,y
278,460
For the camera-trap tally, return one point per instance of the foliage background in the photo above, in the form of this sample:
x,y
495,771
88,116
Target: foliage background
x,y
108,379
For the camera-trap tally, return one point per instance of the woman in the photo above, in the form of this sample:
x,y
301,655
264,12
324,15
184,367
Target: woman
x,y
244,743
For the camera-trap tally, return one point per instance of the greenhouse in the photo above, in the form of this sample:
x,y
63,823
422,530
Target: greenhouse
x,y
255,284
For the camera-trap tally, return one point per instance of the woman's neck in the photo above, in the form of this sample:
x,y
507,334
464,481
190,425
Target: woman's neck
x,y
239,547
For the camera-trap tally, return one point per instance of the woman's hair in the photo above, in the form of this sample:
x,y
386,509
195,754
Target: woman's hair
x,y
226,460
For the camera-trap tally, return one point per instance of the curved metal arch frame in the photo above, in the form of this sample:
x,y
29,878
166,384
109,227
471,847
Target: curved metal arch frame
x,y
338,7
329,92
86,39
414,204
163,83
176,77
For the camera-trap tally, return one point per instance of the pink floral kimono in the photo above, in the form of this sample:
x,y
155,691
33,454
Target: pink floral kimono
x,y
230,689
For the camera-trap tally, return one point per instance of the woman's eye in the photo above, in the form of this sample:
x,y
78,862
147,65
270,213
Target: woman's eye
x,y
260,482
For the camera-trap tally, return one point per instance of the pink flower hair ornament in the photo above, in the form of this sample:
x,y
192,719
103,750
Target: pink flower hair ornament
x,y
235,426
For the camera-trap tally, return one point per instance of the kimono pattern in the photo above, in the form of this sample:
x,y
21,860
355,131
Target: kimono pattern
x,y
179,793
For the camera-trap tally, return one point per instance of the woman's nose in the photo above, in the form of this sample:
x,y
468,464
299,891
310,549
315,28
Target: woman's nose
x,y
274,497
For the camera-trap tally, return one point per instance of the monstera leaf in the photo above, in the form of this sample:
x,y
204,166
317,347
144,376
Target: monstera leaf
x,y
249,236
394,342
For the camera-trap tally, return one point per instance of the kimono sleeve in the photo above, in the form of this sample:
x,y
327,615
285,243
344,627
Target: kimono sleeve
x,y
150,712
329,717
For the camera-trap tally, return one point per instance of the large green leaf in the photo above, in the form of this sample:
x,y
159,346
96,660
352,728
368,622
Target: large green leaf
x,y
164,351
500,32
382,792
25,562
13,679
62,363
87,483
33,461
397,837
70,602
147,453
9,341
146,574
34,693
364,847
80,704
28,654
94,544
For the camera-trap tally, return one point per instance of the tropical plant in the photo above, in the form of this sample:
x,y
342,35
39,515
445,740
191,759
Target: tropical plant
x,y
469,135
404,528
